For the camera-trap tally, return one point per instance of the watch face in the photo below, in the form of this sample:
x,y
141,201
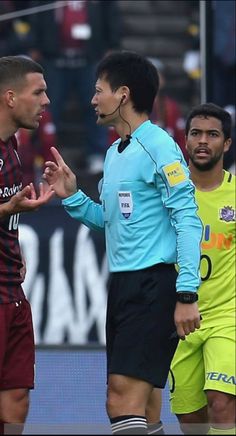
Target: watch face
x,y
187,297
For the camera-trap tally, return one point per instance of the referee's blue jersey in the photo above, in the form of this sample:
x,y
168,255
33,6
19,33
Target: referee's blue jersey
x,y
147,209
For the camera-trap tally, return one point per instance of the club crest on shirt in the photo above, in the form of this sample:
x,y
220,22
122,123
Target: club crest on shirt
x,y
174,173
1,163
227,213
125,203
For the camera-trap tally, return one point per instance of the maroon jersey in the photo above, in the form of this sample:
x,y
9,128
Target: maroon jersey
x,y
10,254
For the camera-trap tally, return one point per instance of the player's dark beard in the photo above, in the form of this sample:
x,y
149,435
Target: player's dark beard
x,y
206,166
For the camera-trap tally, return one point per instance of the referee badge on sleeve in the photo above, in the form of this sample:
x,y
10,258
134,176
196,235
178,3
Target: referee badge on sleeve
x,y
125,203
174,173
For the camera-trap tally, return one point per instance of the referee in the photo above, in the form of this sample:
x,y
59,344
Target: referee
x,y
149,216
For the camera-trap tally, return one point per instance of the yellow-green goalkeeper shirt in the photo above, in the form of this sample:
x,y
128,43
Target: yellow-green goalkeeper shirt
x,y
217,291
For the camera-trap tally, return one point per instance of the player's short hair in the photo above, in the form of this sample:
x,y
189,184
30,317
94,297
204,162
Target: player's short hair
x,y
13,69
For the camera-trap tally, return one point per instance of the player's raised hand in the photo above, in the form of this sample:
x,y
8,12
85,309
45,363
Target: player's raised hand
x,y
59,176
27,200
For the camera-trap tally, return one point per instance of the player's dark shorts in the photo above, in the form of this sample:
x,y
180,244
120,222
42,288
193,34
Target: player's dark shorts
x,y
140,329
17,351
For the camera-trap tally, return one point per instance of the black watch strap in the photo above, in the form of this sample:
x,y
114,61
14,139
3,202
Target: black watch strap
x,y
187,297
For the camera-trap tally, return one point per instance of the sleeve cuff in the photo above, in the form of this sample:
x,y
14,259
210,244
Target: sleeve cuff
x,y
69,200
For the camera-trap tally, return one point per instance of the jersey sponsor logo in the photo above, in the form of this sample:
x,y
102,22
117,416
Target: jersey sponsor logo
x,y
216,240
126,203
174,173
227,213
1,163
219,376
9,191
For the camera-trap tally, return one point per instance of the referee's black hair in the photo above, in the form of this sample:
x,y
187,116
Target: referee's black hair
x,y
128,68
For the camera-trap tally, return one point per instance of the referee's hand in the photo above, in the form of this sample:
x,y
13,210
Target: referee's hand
x,y
59,176
187,318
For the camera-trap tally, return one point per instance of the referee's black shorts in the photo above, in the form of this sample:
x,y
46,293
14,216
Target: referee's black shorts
x,y
140,331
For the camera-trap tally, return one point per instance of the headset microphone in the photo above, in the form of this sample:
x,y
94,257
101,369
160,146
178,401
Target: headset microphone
x,y
111,113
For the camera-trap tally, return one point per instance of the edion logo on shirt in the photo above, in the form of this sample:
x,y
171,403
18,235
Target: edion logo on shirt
x,y
216,240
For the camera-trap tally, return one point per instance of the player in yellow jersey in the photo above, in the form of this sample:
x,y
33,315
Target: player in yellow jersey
x,y
202,379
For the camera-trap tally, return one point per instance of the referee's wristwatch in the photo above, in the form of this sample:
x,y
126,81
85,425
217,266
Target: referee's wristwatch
x,y
187,297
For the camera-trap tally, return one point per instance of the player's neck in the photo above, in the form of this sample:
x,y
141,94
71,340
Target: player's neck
x,y
7,129
207,180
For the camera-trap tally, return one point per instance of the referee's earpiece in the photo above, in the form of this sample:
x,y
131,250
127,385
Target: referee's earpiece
x,y
116,109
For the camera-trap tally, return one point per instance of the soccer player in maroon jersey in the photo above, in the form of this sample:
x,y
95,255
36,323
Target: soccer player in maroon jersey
x,y
23,99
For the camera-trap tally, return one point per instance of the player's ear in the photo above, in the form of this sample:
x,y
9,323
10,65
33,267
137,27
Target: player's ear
x,y
9,98
227,144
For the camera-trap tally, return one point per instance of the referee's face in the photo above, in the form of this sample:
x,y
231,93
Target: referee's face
x,y
106,103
